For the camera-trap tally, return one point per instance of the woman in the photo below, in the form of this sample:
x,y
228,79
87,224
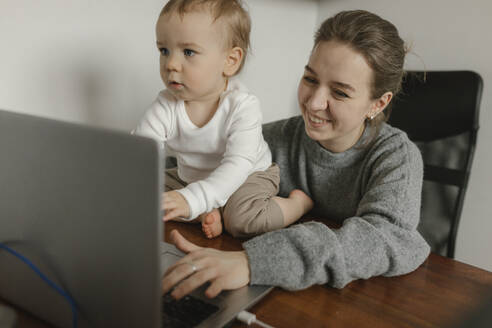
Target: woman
x,y
358,171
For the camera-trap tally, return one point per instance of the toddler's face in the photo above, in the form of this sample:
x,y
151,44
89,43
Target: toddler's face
x,y
192,55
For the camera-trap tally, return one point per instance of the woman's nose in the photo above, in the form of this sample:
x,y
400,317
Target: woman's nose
x,y
318,100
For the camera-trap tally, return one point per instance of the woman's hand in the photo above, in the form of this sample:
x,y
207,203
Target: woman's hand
x,y
175,205
224,270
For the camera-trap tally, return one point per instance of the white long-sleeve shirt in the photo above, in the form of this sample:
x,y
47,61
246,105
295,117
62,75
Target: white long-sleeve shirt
x,y
215,159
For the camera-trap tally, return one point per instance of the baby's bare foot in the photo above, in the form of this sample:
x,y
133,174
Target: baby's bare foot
x,y
212,223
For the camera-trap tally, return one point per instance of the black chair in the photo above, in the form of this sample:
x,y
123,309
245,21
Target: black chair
x,y
439,112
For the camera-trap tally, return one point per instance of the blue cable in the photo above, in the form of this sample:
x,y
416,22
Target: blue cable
x,y
47,280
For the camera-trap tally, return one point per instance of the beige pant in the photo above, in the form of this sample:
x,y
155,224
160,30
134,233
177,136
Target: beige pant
x,y
250,210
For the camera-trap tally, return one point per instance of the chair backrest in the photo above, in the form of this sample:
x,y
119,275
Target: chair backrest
x,y
439,112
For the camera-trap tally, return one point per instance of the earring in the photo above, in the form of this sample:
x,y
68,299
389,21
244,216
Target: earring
x,y
372,116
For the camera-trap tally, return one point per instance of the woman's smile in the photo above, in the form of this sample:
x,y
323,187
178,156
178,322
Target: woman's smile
x,y
316,121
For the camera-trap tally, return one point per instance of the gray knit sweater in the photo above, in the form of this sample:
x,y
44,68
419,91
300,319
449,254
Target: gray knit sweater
x,y
373,190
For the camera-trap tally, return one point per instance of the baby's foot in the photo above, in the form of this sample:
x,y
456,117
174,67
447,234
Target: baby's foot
x,y
212,223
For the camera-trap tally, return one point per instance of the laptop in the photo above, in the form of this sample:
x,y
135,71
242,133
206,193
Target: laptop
x,y
83,205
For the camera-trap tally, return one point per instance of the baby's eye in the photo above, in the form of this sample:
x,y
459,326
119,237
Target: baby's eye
x,y
309,80
164,51
189,52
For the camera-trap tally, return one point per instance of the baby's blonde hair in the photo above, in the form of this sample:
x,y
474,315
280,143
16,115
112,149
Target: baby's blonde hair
x,y
232,12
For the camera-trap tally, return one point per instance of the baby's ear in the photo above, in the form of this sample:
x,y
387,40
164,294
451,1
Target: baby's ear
x,y
233,61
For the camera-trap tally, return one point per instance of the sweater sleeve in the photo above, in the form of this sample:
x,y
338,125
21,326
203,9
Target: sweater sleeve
x,y
158,121
242,151
380,239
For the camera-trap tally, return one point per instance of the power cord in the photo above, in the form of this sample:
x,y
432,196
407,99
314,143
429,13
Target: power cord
x,y
46,280
249,318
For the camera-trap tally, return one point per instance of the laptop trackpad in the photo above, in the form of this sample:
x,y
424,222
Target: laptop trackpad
x,y
168,259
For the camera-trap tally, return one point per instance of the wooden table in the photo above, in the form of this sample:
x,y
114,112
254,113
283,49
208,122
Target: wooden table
x,y
437,294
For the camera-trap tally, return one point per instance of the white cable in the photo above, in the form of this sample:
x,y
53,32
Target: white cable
x,y
249,318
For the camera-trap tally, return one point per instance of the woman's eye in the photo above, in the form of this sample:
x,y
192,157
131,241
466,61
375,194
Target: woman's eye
x,y
309,80
340,94
164,51
189,52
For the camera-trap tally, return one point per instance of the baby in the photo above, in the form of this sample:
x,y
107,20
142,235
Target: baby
x,y
212,124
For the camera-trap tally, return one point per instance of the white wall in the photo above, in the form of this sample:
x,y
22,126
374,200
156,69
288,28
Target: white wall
x,y
90,61
95,61
281,47
447,35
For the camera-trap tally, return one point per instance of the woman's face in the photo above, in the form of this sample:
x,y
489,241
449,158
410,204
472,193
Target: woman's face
x,y
334,96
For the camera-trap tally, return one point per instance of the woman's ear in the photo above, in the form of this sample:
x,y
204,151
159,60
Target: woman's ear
x,y
379,105
233,61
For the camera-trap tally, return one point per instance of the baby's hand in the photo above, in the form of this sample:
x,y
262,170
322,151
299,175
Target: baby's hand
x,y
175,205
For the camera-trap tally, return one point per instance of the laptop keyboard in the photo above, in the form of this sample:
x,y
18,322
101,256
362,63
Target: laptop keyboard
x,y
186,312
